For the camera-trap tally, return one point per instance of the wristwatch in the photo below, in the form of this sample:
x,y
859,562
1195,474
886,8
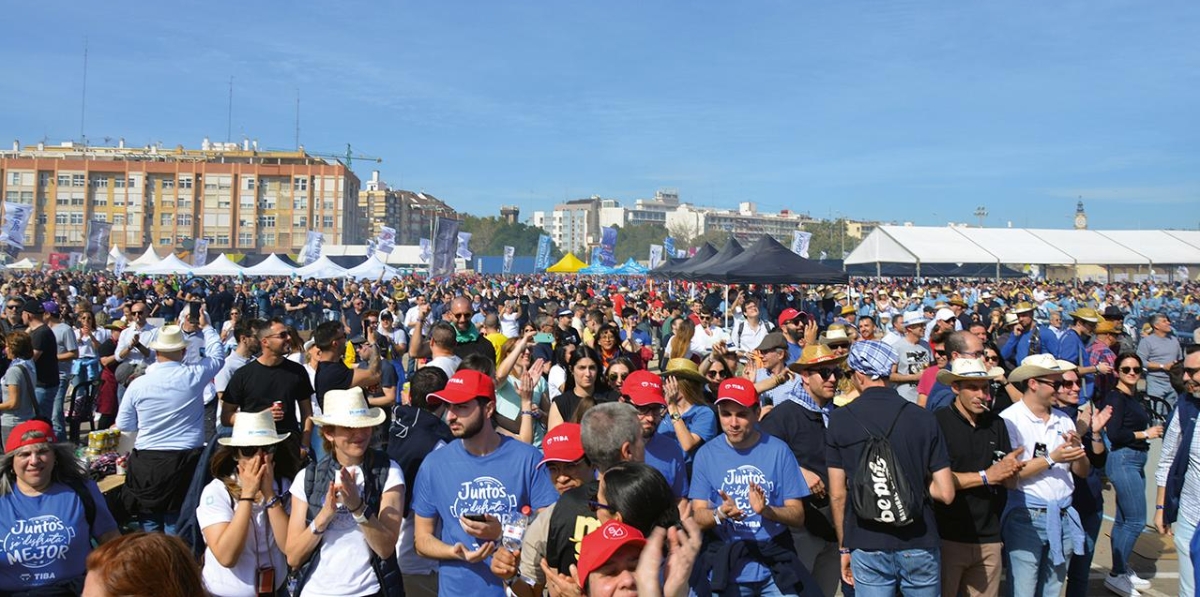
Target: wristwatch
x,y
361,518
676,417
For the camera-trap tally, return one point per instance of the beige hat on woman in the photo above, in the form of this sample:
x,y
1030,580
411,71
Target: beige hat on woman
x,y
348,408
685,368
253,429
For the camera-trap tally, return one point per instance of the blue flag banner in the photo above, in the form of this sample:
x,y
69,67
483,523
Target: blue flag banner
x,y
543,253
669,247
597,255
608,246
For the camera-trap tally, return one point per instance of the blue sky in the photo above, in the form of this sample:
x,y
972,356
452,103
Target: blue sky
x,y
892,110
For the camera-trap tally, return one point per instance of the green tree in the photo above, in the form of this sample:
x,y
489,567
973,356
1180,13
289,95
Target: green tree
x,y
635,240
490,235
829,236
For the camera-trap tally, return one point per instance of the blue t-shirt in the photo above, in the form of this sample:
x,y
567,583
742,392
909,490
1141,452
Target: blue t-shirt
x,y
700,419
452,481
771,465
664,454
46,537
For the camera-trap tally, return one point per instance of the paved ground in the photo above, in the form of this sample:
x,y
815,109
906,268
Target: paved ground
x,y
1153,558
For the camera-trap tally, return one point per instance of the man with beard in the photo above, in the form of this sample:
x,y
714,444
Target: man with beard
x,y
643,390
1178,505
472,486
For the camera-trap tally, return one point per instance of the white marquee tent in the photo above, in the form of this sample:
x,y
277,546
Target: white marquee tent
x,y
1019,246
168,265
221,266
321,269
371,269
147,259
271,266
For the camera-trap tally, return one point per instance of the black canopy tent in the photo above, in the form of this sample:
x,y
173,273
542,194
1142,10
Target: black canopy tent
x,y
668,270
769,262
688,272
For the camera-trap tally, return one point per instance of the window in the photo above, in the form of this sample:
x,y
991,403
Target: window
x,y
210,182
168,183
118,219
164,240
101,182
185,203
78,180
76,200
100,200
267,202
248,183
118,182
60,200
76,217
266,221
42,218
64,180
245,239
166,219
222,239
43,179
327,221
300,222
183,219
223,202
14,178
26,196
60,239
300,203
60,218
100,217
300,183
327,204
246,202
134,181
185,182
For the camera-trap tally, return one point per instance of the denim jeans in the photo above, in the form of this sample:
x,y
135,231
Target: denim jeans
x,y
764,588
1183,544
1080,567
911,572
158,522
48,407
1126,471
1027,560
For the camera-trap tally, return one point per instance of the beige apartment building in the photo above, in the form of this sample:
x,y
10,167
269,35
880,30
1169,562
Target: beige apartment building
x,y
243,200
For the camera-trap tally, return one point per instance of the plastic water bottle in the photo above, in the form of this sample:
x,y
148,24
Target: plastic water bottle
x,y
514,530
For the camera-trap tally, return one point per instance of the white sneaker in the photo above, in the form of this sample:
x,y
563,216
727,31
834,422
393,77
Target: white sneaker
x,y
1137,581
1121,586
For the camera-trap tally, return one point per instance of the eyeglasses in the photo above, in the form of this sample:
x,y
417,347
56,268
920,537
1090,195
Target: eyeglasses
x,y
11,306
137,313
283,334
1129,369
827,372
248,451
560,468
1069,383
971,355
1191,371
460,315
716,374
646,410
595,506
617,376
941,353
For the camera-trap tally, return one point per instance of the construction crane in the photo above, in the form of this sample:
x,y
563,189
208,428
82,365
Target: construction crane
x,y
347,158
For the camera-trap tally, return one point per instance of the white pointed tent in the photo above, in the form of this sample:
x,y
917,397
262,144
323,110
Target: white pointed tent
x,y
169,265
25,263
371,269
114,256
147,259
321,269
271,266
221,266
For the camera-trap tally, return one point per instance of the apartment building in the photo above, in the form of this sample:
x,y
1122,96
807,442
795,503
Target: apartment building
x,y
412,213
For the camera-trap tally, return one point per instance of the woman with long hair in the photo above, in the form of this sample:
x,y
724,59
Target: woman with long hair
x,y
51,511
638,495
585,388
689,418
19,404
520,410
143,565
557,378
609,346
242,513
1129,431
616,373
679,346
346,509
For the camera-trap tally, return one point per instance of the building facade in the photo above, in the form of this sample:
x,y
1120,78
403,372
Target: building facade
x,y
412,214
243,200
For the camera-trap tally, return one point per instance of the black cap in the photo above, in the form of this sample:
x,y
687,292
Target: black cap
x,y
33,307
1113,312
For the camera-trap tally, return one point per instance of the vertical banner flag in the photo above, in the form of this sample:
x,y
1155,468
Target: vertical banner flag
x,y
669,247
200,253
608,246
464,239
445,245
800,240
543,253
597,257
120,266
508,258
656,253
681,253
96,250
16,216
386,241
312,247
58,261
824,255
426,253
74,260
1181,273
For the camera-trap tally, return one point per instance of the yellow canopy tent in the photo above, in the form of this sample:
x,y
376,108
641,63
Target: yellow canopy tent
x,y
569,264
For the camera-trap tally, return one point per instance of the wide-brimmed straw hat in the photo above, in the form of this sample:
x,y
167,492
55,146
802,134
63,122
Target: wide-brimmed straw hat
x,y
169,339
1040,365
253,429
967,369
816,355
685,368
835,335
348,408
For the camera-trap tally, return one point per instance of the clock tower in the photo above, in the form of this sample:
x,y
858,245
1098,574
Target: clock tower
x,y
1080,217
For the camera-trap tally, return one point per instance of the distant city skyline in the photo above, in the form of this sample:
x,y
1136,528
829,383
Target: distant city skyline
x,y
916,112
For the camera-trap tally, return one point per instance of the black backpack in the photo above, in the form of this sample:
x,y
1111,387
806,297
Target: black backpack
x,y
880,491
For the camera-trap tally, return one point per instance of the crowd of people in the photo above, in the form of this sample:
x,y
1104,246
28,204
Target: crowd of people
x,y
487,435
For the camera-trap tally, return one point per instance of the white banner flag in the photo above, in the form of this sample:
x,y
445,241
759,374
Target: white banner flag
x,y
120,265
464,238
312,247
656,253
800,240
508,259
16,216
200,253
426,254
386,241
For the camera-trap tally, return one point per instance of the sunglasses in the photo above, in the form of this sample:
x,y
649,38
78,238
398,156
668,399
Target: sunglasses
x,y
1130,369
1069,384
11,306
248,451
717,374
595,506
283,334
137,312
827,372
558,468
617,376
460,315
1191,371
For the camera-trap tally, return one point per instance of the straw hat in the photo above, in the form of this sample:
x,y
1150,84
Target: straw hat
x,y
835,336
1106,327
849,309
253,429
348,408
967,369
958,300
1040,365
1022,307
169,339
816,355
1086,314
685,368
1010,319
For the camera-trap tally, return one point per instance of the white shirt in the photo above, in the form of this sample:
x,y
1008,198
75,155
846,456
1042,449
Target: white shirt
x,y
85,348
260,548
1039,438
345,566
448,364
510,324
125,340
704,339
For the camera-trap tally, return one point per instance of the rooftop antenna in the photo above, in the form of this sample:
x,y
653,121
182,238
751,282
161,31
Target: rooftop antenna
x,y
229,114
83,97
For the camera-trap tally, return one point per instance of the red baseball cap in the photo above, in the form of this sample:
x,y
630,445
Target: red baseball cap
x,y
739,390
600,545
563,444
787,315
644,388
40,433
465,386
